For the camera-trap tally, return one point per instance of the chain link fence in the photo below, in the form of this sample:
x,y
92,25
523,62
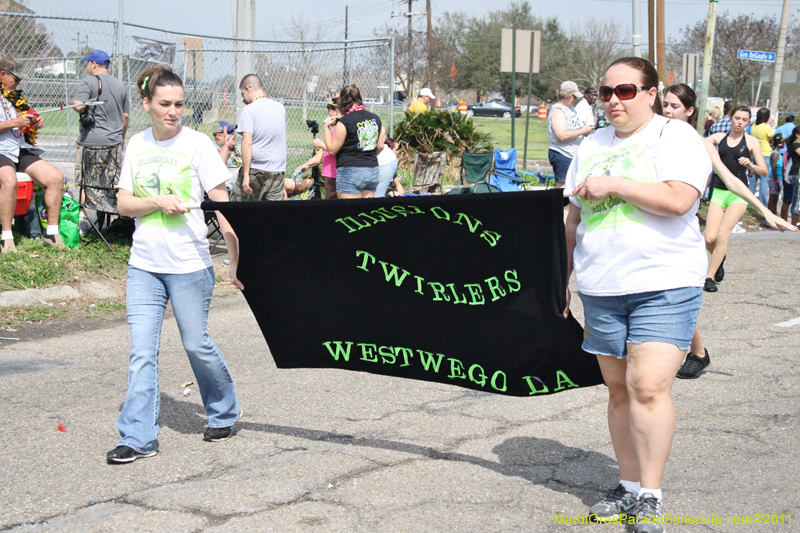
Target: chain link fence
x,y
301,75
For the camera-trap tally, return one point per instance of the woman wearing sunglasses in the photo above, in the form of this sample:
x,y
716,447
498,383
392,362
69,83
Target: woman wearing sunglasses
x,y
635,245
680,104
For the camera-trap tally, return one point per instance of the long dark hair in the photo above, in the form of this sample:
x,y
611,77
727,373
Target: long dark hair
x,y
648,73
157,76
793,137
349,97
686,95
762,115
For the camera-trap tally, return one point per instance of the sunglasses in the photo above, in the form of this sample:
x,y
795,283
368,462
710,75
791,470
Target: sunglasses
x,y
625,91
17,79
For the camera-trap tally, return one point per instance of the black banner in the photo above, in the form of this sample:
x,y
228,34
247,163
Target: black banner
x,y
465,289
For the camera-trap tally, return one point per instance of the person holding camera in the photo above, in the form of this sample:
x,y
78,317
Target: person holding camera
x,y
102,129
327,160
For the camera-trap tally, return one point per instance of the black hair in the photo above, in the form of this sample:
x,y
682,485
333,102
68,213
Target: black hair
x,y
648,73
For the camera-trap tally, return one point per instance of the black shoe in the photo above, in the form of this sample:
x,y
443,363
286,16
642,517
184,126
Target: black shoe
x,y
126,454
217,434
710,286
694,365
720,271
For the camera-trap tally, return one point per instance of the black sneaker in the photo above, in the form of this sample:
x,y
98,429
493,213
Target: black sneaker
x,y
720,271
710,286
694,365
618,502
126,454
217,434
649,515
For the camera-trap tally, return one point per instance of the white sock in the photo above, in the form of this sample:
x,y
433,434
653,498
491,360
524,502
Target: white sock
x,y
52,229
7,236
631,486
655,492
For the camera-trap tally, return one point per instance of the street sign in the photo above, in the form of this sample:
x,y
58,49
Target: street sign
x,y
787,76
756,56
523,50
689,72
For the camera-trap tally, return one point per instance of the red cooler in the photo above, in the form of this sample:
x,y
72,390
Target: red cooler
x,y
24,194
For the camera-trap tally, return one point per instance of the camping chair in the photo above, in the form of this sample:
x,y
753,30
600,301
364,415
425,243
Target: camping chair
x,y
474,169
98,189
428,172
212,224
505,176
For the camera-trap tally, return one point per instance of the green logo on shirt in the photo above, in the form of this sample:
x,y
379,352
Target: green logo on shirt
x,y
162,172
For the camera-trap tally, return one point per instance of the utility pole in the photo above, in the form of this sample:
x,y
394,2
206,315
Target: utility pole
x,y
637,28
432,80
651,31
661,48
776,80
410,71
344,70
706,77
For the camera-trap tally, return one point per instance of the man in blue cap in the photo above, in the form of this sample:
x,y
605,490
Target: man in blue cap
x,y
224,134
102,133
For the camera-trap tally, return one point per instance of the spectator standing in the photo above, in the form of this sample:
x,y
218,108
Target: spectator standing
x,y
775,167
387,167
102,138
420,105
327,160
356,141
18,153
224,135
763,133
585,108
165,167
263,127
790,189
723,125
712,115
565,130
786,130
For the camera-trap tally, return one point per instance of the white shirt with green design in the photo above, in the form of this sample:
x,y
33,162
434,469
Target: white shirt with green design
x,y
623,249
186,165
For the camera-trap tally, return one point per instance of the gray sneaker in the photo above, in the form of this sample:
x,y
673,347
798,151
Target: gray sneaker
x,y
649,515
618,502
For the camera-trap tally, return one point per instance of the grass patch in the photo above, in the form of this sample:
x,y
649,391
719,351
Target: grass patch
x,y
500,128
51,311
103,308
35,266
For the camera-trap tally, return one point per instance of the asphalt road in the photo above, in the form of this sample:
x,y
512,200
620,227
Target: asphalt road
x,y
328,450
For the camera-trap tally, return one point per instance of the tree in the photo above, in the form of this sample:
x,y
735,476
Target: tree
x,y
593,45
733,33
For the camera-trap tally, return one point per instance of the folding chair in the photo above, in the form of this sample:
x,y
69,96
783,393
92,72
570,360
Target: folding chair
x,y
428,172
505,176
474,169
98,188
212,224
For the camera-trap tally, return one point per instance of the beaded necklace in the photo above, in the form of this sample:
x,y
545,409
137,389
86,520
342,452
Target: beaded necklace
x,y
355,108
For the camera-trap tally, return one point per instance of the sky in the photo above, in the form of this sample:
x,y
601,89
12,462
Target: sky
x,y
213,17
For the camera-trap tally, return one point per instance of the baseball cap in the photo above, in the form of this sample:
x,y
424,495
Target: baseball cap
x,y
220,126
7,64
426,92
98,56
571,87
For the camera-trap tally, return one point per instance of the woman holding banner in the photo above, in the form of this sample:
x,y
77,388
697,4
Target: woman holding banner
x,y
165,167
636,248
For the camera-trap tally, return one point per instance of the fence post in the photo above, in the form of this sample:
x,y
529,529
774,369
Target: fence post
x,y
67,102
391,87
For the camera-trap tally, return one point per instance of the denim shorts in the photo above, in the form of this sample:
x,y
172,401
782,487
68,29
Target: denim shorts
x,y
660,316
353,180
560,164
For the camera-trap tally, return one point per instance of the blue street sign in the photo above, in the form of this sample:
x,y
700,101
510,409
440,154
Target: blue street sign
x,y
756,56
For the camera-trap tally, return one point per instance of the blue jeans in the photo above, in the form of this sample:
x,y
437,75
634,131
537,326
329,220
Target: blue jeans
x,y
385,176
147,296
763,187
560,164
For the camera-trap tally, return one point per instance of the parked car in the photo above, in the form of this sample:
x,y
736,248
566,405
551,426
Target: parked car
x,y
492,108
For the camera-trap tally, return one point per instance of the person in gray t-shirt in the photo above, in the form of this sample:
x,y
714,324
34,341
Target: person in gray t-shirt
x,y
100,145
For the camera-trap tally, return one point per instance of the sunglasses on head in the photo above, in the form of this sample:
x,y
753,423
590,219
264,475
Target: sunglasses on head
x,y
624,91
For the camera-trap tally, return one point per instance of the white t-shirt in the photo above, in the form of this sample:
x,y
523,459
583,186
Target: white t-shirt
x,y
585,111
620,248
186,165
386,156
265,120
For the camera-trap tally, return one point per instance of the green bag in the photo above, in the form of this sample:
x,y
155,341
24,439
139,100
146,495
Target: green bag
x,y
68,222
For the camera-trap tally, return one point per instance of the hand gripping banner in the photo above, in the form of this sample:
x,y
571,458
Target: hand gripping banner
x,y
462,289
